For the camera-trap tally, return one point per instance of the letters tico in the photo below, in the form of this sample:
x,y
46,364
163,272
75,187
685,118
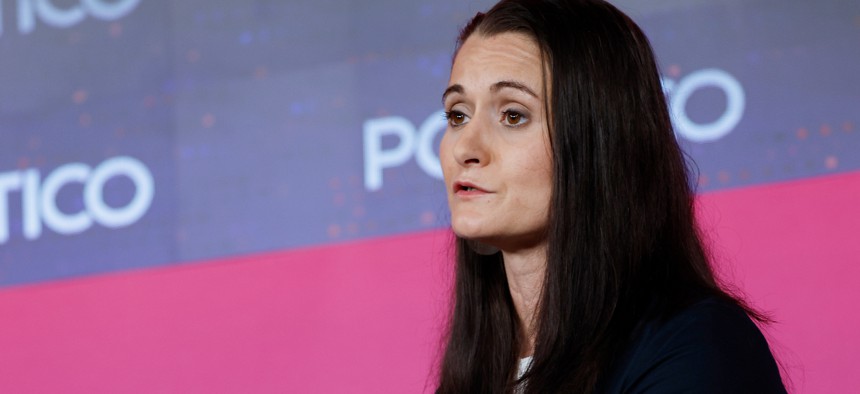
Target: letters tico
x,y
39,197
64,16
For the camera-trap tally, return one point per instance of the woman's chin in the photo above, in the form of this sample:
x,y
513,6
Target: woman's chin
x,y
469,229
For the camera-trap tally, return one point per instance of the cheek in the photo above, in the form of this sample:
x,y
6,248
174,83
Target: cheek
x,y
543,167
545,186
445,145
536,179
538,188
446,157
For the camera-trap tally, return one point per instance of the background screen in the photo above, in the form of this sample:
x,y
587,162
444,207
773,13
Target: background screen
x,y
204,196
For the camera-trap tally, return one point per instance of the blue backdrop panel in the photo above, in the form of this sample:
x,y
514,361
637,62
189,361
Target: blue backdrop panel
x,y
267,125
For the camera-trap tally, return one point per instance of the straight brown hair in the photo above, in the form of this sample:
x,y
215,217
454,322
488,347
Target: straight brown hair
x,y
623,244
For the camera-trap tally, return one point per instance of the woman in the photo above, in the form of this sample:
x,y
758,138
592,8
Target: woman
x,y
579,266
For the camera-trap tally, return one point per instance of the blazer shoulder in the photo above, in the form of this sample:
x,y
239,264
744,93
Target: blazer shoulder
x,y
711,346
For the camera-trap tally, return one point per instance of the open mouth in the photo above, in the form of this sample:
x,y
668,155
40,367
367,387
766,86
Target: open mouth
x,y
467,187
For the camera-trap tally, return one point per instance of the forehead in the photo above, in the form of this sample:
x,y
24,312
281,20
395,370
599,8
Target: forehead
x,y
484,60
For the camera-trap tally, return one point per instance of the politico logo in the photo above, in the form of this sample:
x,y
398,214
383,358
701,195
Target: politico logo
x,y
418,142
65,16
39,197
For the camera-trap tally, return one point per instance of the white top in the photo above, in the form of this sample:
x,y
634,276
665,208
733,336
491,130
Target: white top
x,y
525,363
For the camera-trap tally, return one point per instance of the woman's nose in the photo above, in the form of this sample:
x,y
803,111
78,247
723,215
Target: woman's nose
x,y
471,148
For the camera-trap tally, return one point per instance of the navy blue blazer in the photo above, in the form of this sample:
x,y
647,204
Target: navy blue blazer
x,y
711,346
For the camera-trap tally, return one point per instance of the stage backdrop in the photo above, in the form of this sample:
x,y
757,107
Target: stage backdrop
x,y
245,196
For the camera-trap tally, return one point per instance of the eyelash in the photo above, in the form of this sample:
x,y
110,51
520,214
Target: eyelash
x,y
453,114
523,119
450,116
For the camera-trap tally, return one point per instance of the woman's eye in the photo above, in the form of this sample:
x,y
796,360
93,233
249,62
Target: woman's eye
x,y
456,118
513,118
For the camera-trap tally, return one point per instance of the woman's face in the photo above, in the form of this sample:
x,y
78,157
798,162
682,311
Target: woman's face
x,y
495,153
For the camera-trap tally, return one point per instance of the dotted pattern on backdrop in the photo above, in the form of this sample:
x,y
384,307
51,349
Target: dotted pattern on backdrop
x,y
250,117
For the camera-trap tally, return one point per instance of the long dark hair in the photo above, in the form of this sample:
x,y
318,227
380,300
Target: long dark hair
x,y
623,245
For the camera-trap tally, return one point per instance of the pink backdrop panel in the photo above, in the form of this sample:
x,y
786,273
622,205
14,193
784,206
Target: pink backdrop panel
x,y
358,317
794,249
365,317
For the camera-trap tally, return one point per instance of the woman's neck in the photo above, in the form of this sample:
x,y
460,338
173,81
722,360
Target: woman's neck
x,y
525,272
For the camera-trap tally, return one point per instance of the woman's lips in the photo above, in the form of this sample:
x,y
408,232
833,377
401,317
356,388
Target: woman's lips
x,y
465,189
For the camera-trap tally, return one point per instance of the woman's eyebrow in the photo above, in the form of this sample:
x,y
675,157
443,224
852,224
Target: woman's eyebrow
x,y
513,85
456,88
